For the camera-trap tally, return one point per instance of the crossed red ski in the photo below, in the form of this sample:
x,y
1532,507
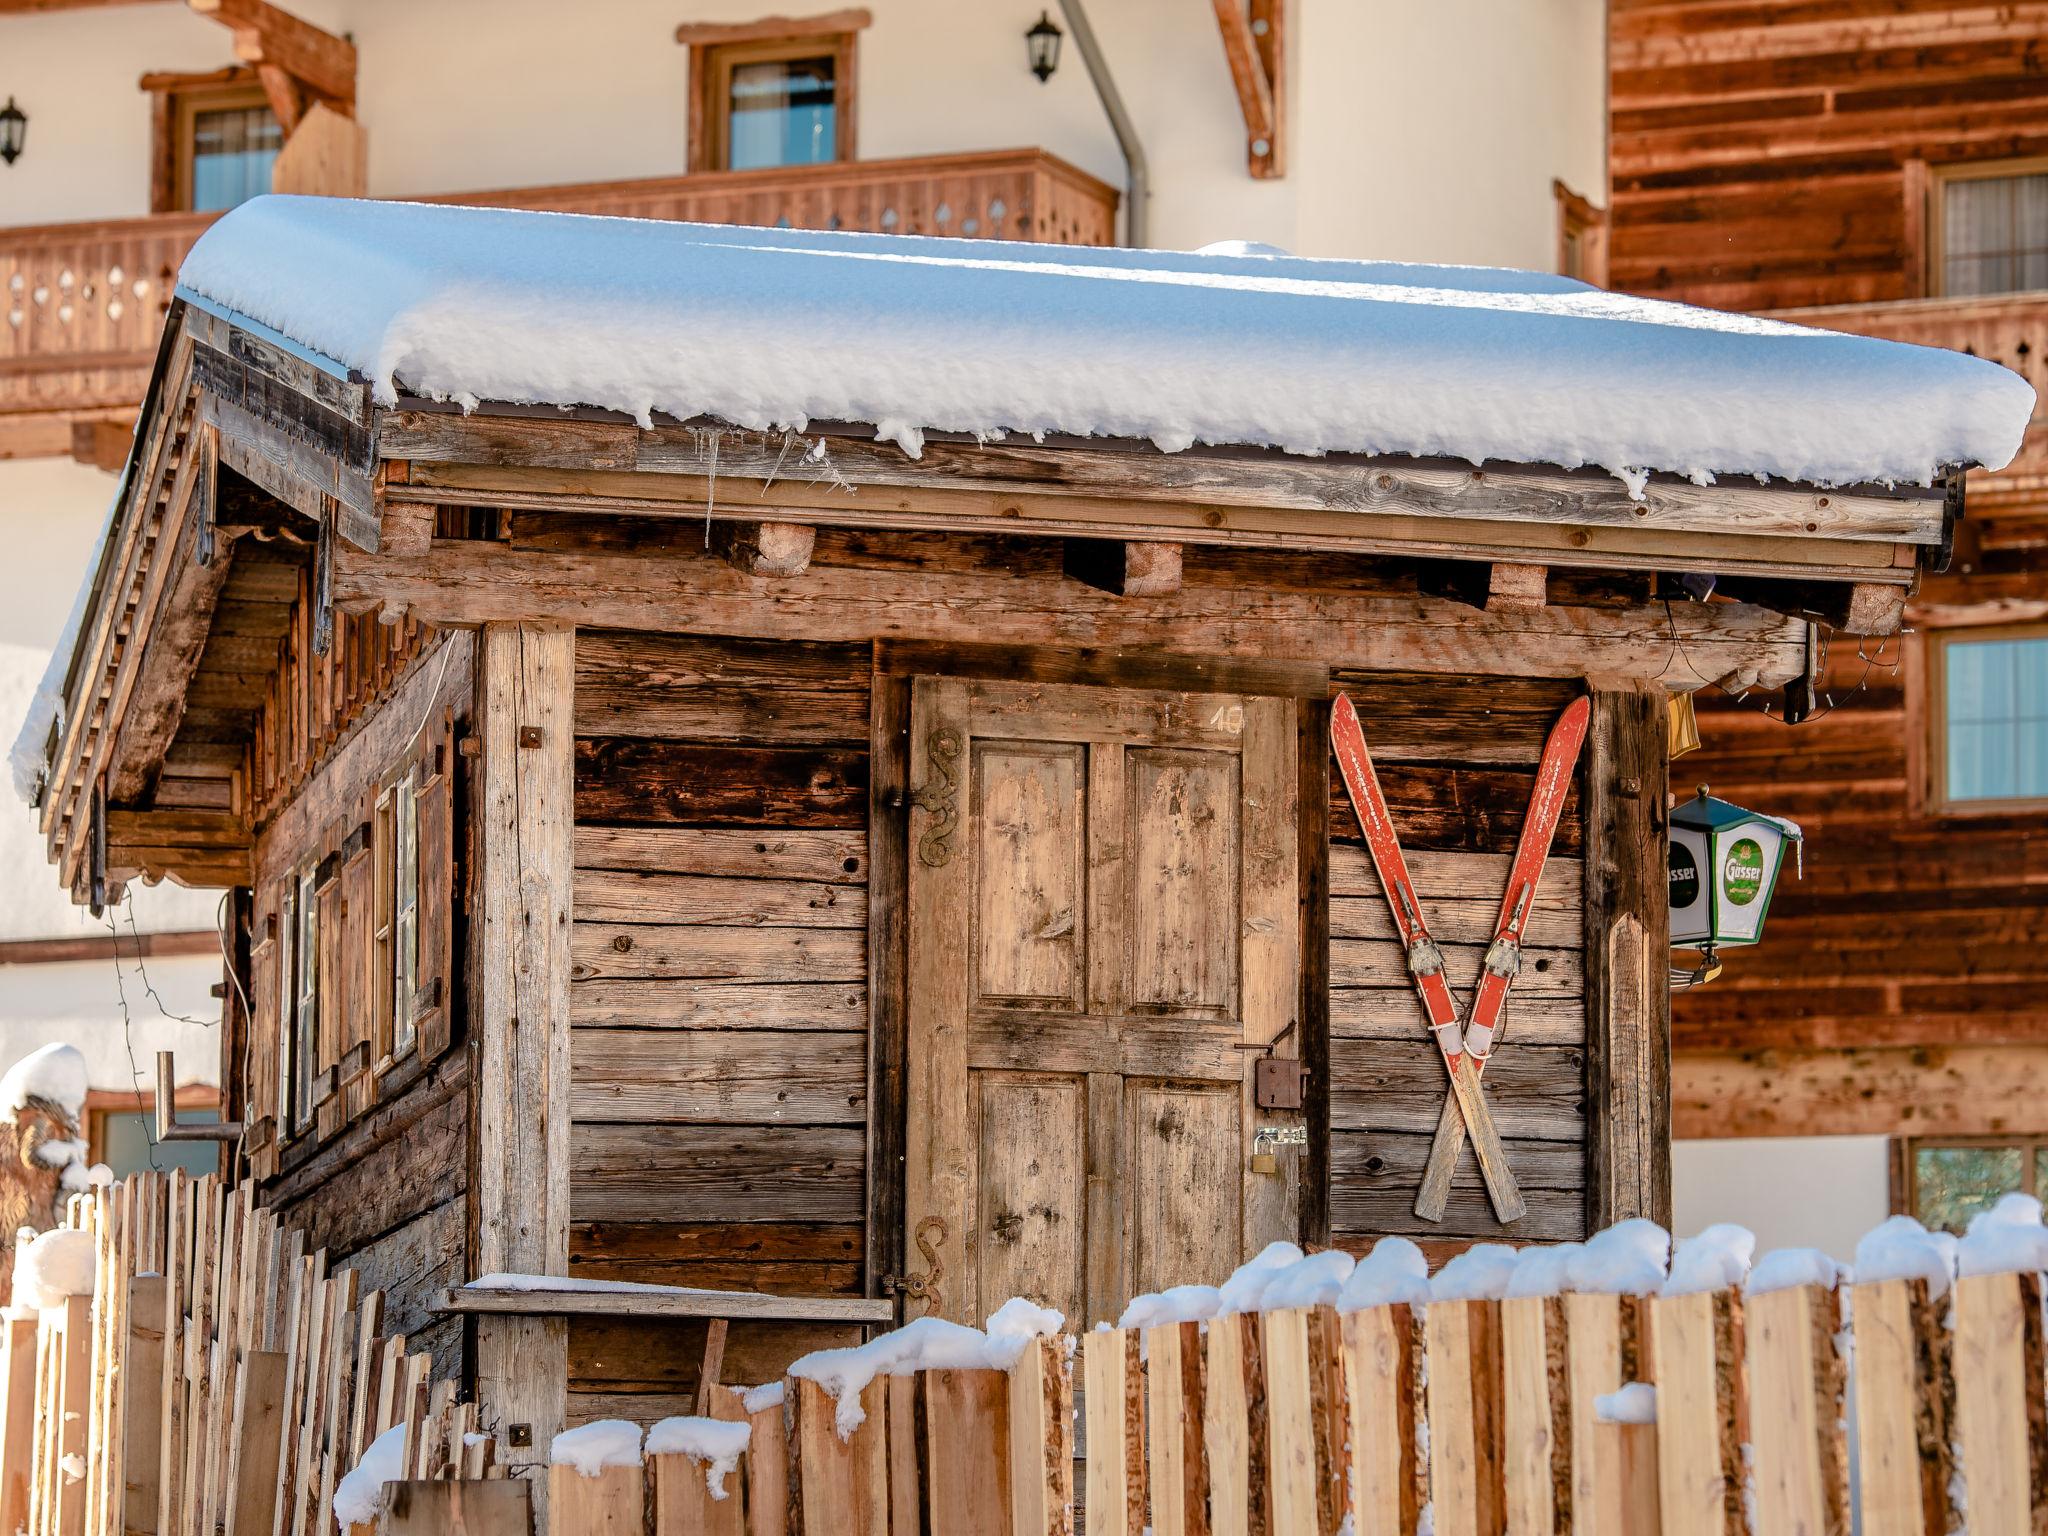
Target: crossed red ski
x,y
1504,955
1425,960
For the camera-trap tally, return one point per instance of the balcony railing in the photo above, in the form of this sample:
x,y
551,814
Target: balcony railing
x,y
84,302
2009,328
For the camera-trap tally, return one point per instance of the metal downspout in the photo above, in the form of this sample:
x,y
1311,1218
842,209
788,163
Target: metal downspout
x,y
1137,222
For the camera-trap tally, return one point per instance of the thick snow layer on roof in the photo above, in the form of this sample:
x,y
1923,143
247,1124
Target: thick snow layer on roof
x,y
54,1073
767,328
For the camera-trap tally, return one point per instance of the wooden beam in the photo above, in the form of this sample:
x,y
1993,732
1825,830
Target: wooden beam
x,y
1628,926
525,711
698,34
1256,79
1511,587
275,41
102,443
504,1301
105,946
1127,568
1854,608
465,582
765,549
1897,1091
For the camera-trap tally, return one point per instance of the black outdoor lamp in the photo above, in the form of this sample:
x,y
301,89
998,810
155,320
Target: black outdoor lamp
x,y
1044,42
13,129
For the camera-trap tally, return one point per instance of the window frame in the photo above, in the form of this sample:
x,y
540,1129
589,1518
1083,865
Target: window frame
x,y
1935,735
714,52
176,102
1580,220
1906,1164
1938,179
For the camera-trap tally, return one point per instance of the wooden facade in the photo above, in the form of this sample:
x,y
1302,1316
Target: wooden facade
x,y
1789,158
883,879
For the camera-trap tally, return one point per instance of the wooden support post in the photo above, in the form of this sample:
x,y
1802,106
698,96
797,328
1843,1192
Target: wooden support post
x,y
766,549
1797,1385
1628,928
1702,1412
1904,1436
1383,1380
1131,568
1173,1416
1113,1382
1041,1450
525,812
2001,1415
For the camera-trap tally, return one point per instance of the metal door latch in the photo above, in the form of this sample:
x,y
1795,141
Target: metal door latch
x,y
1267,1141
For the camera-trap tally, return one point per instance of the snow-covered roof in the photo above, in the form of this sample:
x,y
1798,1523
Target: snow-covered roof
x,y
778,328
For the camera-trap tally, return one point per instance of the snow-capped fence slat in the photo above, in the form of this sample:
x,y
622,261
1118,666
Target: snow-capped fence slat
x,y
2000,1406
1796,1379
1904,1454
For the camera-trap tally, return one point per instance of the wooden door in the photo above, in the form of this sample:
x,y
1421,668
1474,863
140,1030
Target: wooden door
x,y
1104,934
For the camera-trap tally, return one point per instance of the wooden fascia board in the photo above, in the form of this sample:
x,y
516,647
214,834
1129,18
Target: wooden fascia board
x,y
482,452
470,582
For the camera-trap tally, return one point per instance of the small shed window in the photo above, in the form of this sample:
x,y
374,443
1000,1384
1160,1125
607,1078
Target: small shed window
x,y
1943,1183
1991,225
1990,718
774,93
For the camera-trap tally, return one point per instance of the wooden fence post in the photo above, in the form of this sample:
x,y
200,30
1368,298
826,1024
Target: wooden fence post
x,y
1702,1413
1173,1412
1465,1418
258,1443
1536,1431
612,1503
1383,1380
1796,1385
837,1487
501,1507
1905,1401
1606,1348
74,1416
1234,1436
683,1501
18,1434
142,1401
1113,1380
1041,1451
960,1449
2001,1415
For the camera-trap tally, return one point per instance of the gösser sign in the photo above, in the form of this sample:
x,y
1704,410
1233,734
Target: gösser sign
x,y
1724,866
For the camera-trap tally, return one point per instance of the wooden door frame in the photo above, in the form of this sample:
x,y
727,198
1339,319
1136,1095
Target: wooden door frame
x,y
895,664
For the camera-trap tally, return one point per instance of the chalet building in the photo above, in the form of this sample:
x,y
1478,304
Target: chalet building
x,y
755,797
140,122
1881,170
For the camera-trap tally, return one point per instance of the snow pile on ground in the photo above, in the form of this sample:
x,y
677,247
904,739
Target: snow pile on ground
x,y
2007,1239
928,1344
1899,1248
1783,1268
716,1442
1395,1271
54,1073
362,1495
594,1446
55,1265
1712,1259
772,328
1635,1403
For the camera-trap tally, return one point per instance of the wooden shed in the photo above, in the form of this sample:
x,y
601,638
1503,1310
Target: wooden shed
x,y
856,859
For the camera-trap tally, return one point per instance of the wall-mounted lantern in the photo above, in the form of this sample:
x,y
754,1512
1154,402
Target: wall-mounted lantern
x,y
13,130
1043,41
1725,863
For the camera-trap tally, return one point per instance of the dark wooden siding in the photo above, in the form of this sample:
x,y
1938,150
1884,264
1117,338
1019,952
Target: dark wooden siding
x,y
1764,155
1457,761
719,1007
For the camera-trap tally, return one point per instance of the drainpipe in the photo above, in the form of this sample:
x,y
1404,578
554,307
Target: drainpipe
x,y
1136,203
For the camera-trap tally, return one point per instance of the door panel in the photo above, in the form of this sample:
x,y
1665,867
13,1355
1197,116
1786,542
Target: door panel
x,y
1029,874
1183,1138
1182,898
1031,1137
1104,913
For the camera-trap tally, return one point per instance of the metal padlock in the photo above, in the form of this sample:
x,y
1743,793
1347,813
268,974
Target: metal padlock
x,y
1265,1162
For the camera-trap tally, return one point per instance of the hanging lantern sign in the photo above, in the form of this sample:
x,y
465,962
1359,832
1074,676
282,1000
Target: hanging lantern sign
x,y
1724,867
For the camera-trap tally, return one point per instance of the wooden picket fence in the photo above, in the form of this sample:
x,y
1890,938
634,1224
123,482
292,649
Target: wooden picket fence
x,y
217,1382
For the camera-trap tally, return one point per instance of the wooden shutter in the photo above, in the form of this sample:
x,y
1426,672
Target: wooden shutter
x,y
432,1013
266,1010
358,990
333,993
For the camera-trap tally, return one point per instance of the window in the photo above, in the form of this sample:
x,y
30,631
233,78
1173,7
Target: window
x,y
121,1135
1581,237
1989,708
405,970
1944,1183
287,999
216,140
1991,228
305,1029
761,98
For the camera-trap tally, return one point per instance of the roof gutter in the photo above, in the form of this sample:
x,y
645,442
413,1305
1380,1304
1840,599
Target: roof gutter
x,y
1137,208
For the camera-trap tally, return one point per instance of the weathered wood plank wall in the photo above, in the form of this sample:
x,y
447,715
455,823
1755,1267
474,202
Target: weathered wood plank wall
x,y
719,1000
1766,157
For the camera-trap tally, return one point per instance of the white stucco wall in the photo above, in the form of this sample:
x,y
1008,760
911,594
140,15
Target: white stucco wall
x,y
1421,129
1792,1191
